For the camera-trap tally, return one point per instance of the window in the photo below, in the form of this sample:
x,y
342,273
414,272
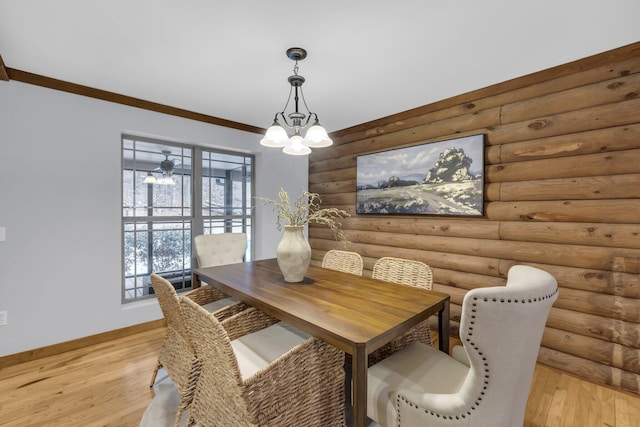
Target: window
x,y
170,193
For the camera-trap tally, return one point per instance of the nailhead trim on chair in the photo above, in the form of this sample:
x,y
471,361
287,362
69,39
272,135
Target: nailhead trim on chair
x,y
486,364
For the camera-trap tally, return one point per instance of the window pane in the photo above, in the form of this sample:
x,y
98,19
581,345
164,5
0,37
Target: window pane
x,y
156,179
226,194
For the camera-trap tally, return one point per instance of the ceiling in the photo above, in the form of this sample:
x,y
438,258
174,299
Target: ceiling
x,y
366,58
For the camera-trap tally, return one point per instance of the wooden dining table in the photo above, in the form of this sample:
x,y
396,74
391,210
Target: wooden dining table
x,y
356,314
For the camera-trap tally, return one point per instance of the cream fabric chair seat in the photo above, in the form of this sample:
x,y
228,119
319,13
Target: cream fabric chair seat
x,y
217,305
487,383
257,350
418,368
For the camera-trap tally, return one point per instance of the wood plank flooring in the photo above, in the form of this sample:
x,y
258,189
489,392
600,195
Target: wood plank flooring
x,y
108,385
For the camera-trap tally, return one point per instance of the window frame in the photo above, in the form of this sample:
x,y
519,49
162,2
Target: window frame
x,y
194,221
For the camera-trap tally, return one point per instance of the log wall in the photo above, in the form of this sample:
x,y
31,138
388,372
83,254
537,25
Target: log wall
x,y
562,193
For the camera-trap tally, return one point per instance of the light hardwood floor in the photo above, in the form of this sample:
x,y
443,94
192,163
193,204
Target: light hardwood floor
x,y
108,385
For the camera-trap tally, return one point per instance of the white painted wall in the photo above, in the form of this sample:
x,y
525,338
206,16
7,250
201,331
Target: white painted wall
x,y
60,201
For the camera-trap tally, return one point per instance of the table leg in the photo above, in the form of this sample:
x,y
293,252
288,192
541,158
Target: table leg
x,y
443,328
359,378
195,281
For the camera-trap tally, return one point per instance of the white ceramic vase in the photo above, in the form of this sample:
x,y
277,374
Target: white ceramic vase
x,y
293,254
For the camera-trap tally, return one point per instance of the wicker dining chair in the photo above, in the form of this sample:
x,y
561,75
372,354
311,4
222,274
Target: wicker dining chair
x,y
348,262
256,371
406,272
177,355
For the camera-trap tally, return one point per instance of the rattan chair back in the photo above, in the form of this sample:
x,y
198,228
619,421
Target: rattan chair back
x,y
406,272
348,262
303,387
177,354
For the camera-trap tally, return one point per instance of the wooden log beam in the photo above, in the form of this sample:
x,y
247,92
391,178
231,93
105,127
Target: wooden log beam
x,y
580,188
594,326
599,117
608,353
615,211
607,163
592,234
594,371
615,138
613,90
611,306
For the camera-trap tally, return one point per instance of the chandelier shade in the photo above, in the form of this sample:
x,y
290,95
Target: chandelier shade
x,y
296,146
317,137
277,136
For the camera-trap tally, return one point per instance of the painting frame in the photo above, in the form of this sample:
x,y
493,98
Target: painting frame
x,y
439,178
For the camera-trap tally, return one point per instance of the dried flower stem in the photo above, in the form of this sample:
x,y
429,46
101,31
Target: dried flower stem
x,y
305,209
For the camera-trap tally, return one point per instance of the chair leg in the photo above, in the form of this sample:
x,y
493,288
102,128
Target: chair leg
x,y
155,373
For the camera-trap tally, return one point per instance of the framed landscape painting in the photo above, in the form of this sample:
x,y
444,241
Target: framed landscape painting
x,y
438,178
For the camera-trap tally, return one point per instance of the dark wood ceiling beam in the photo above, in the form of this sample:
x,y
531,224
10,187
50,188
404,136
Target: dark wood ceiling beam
x,y
51,83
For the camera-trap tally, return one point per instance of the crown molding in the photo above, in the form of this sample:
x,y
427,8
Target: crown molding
x,y
64,86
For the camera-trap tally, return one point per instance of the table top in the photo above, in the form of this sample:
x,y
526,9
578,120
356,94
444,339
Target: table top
x,y
343,309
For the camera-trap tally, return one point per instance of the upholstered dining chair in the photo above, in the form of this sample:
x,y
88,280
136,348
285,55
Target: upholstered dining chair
x,y
256,371
346,261
177,355
406,272
501,329
220,249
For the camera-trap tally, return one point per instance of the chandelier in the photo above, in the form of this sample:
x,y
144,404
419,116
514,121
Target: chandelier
x,y
277,136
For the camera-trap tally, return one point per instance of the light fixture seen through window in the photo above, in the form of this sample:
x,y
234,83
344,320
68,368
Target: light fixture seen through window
x,y
166,168
316,135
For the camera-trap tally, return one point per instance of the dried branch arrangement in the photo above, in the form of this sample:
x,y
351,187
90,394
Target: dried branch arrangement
x,y
305,209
